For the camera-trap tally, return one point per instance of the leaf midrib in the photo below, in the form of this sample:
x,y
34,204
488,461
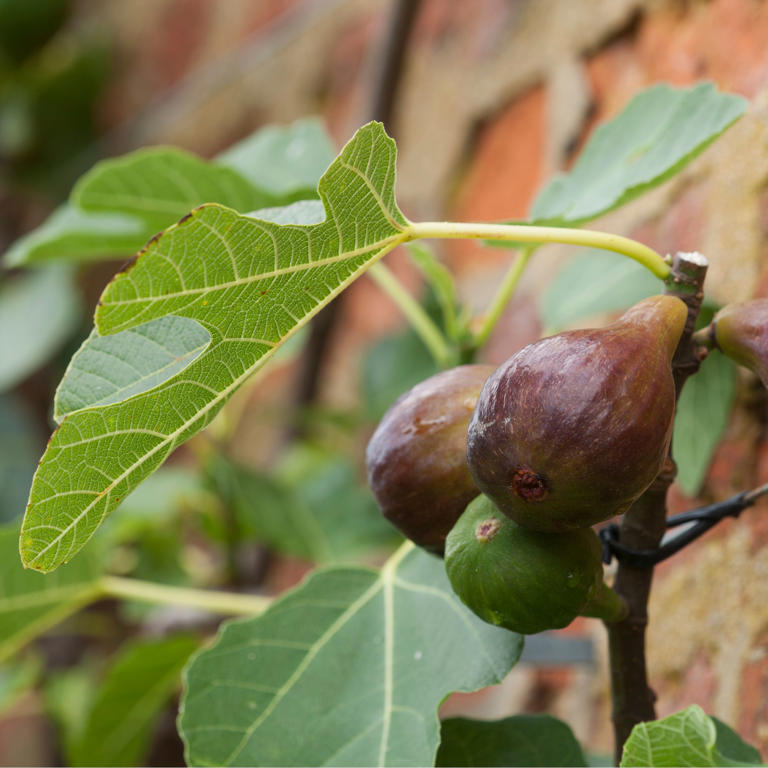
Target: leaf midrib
x,y
317,646
396,239
385,583
385,246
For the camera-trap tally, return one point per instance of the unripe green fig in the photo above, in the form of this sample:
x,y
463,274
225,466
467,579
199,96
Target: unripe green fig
x,y
526,581
573,428
741,332
416,457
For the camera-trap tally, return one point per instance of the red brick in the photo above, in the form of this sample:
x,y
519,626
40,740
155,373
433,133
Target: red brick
x,y
479,24
505,171
754,695
174,47
345,93
723,41
697,685
731,469
285,573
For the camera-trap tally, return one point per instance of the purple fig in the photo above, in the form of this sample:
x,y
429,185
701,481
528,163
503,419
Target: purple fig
x,y
741,333
416,457
573,428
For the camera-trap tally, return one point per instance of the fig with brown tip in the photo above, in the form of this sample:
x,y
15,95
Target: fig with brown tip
x,y
573,428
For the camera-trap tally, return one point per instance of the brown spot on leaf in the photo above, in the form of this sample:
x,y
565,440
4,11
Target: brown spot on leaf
x,y
128,264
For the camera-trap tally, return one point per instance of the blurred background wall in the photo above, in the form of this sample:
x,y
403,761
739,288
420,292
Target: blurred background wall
x,y
496,96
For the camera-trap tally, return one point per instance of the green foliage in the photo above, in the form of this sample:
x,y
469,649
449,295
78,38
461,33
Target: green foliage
x,y
251,284
70,234
121,203
31,603
522,740
348,669
702,415
139,683
593,282
659,132
159,185
286,161
686,738
147,539
312,507
17,678
351,666
19,451
32,336
157,501
390,367
68,696
24,26
108,369
54,97
731,745
442,286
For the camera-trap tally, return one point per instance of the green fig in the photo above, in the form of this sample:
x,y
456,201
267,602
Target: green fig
x,y
572,429
526,581
416,457
741,332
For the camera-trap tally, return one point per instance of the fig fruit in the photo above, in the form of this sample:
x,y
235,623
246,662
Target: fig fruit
x,y
573,428
526,581
416,458
741,332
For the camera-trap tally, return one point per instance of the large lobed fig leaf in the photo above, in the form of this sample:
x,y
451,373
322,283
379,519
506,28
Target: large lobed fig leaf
x,y
251,284
348,669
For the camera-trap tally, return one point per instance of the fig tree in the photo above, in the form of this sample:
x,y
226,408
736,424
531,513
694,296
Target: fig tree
x,y
416,457
526,581
741,332
573,428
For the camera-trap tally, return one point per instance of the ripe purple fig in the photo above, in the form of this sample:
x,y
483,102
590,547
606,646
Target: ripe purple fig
x,y
741,333
573,428
416,457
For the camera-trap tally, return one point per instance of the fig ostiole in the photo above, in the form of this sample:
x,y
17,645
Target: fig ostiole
x,y
572,429
740,331
523,580
416,458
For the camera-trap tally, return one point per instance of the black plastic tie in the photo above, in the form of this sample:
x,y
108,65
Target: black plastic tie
x,y
702,518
